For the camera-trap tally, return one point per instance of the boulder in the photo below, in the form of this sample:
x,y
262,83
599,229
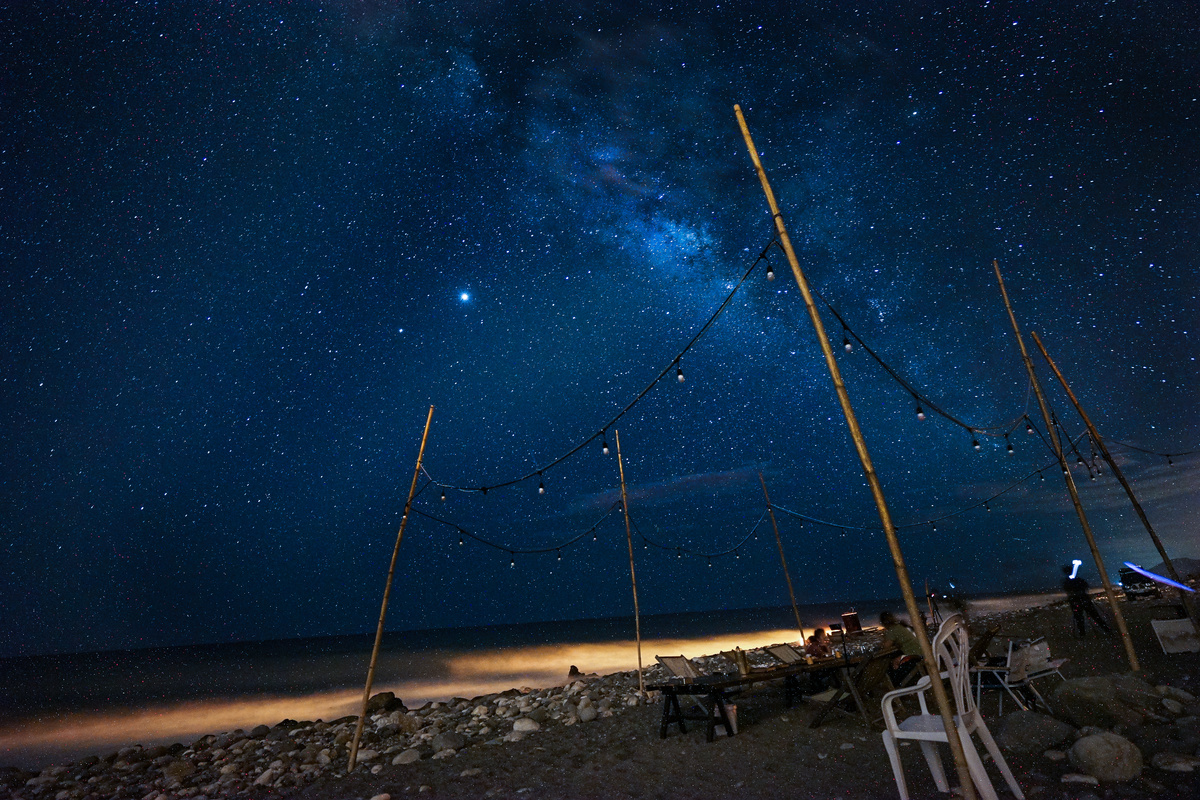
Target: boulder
x,y
1107,757
383,703
1094,701
587,713
407,757
525,725
259,732
449,740
1030,732
178,770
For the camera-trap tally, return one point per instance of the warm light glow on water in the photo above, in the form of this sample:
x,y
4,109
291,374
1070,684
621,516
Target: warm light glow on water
x,y
69,736
64,737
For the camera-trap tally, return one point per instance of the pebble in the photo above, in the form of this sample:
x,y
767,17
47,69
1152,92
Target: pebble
x,y
384,796
1075,777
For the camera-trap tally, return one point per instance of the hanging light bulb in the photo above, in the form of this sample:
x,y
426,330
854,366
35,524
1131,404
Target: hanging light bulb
x,y
678,372
512,561
770,272
443,495
736,554
679,552
975,443
541,486
1040,475
1028,427
1170,463
846,342
603,443
1078,460
986,507
1008,445
559,554
710,562
934,524
920,411
460,541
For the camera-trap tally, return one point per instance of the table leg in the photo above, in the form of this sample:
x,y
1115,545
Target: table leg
x,y
672,713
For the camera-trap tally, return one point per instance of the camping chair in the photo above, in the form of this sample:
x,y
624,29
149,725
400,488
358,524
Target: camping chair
x,y
786,653
679,667
1024,664
950,647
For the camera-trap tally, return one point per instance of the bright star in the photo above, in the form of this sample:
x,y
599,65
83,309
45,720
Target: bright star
x,y
465,297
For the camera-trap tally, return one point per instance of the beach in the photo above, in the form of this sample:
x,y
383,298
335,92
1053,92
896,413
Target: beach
x,y
607,746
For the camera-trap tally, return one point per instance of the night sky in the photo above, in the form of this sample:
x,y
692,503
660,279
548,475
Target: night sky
x,y
244,249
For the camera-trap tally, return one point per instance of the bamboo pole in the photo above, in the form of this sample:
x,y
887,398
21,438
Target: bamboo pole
x,y
1070,479
637,617
860,445
1137,506
387,590
779,544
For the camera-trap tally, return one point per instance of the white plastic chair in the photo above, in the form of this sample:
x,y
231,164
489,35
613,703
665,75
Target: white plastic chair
x,y
951,649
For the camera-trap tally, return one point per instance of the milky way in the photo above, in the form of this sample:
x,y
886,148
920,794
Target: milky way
x,y
245,249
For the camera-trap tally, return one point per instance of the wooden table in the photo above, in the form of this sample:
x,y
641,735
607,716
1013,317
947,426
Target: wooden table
x,y
715,690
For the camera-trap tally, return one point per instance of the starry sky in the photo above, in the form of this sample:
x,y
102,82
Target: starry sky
x,y
245,247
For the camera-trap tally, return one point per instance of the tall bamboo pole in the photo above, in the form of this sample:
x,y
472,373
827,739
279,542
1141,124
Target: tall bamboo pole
x,y
1137,506
637,617
860,445
779,544
387,591
1070,479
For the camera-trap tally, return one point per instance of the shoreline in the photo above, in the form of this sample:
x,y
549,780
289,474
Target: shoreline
x,y
307,759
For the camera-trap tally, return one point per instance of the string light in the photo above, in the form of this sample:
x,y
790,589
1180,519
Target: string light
x,y
678,372
920,411
846,340
443,495
1008,445
541,486
603,443
460,541
559,552
975,443
770,272
512,561
1028,427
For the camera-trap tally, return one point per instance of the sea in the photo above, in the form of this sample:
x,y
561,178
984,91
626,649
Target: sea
x,y
55,709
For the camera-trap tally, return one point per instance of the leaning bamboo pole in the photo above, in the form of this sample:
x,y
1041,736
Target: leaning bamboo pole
x,y
860,445
637,617
779,544
1070,479
1137,506
387,591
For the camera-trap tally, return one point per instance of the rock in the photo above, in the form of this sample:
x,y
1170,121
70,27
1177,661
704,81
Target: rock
x,y
539,714
1030,732
1172,707
1094,701
260,732
407,757
525,725
1107,757
178,770
586,713
845,746
450,740
1174,762
470,773
384,796
1179,695
1075,777
383,703
1055,755
367,755
266,779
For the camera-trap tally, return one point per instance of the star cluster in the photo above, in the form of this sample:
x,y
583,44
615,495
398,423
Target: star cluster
x,y
247,247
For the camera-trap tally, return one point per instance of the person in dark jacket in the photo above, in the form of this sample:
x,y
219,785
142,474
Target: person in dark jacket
x,y
1080,600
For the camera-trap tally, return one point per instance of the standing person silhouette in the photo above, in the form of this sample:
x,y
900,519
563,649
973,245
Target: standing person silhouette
x,y
1081,601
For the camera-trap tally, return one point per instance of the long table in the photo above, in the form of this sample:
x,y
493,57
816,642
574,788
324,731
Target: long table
x,y
715,690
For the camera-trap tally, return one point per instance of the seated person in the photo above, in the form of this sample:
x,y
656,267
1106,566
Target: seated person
x,y
818,645
899,637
